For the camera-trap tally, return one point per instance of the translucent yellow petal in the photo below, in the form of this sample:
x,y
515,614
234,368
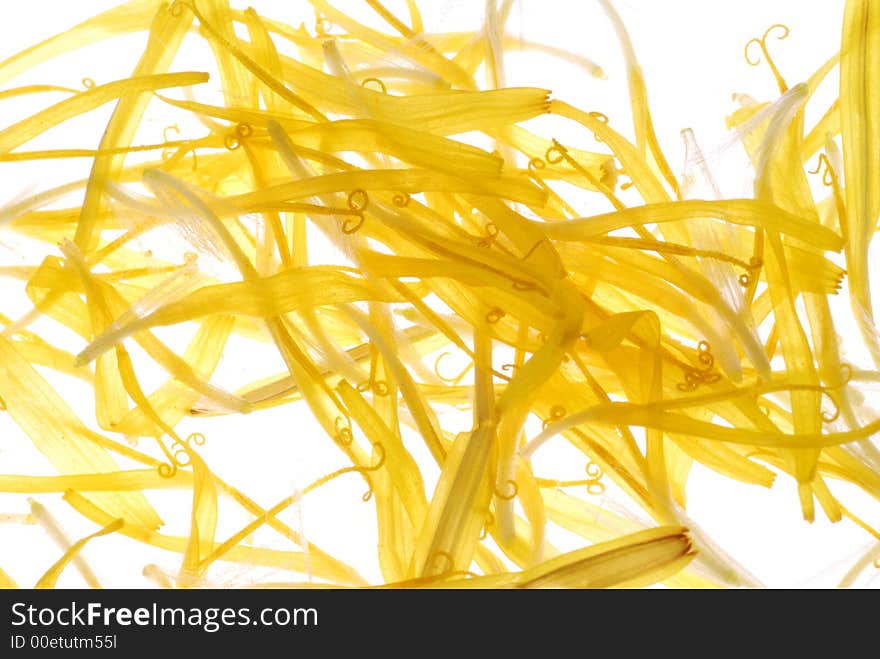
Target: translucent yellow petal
x,y
57,432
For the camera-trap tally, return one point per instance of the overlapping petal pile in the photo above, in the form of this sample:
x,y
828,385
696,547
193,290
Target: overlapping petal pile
x,y
369,221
